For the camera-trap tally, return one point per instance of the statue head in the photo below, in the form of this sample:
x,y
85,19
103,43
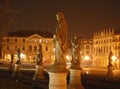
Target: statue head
x,y
60,16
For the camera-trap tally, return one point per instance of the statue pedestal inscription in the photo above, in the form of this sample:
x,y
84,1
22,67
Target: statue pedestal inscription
x,y
75,79
38,73
57,80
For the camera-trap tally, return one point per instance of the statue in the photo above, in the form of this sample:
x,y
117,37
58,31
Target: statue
x,y
61,31
18,57
110,59
110,66
60,43
39,55
60,39
12,58
75,52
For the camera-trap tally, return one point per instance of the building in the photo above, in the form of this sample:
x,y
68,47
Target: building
x,y
86,51
27,42
105,41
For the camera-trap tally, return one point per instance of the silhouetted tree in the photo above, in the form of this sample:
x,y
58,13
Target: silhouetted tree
x,y
6,18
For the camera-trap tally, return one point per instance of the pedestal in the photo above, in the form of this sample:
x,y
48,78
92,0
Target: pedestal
x,y
57,80
17,71
11,67
38,73
109,72
75,79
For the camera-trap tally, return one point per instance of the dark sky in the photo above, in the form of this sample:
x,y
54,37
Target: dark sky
x,y
83,16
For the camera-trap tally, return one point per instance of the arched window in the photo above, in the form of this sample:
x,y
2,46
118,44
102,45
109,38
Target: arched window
x,y
30,48
46,48
35,48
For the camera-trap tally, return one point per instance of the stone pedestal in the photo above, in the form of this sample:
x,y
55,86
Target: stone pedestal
x,y
75,79
109,72
17,71
11,67
38,73
57,80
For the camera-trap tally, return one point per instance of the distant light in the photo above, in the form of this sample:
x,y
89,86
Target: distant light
x,y
87,58
87,72
114,58
67,57
40,40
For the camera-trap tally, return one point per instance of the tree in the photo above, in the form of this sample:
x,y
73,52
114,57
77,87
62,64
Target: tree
x,y
6,18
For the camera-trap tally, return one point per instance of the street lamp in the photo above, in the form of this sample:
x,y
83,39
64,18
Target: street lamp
x,y
86,58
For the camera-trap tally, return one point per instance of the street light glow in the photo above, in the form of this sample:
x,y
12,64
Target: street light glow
x,y
114,58
87,58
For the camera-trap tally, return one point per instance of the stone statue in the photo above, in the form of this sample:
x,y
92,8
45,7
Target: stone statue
x,y
75,52
12,58
60,39
39,55
61,31
110,59
18,57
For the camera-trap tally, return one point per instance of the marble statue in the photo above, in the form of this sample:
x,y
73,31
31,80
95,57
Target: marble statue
x,y
39,55
61,31
110,59
12,58
75,52
60,39
18,57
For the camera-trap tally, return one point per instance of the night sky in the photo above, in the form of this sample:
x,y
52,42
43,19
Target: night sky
x,y
83,16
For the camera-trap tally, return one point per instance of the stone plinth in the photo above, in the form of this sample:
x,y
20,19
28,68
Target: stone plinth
x,y
11,67
109,72
57,80
17,71
38,73
75,79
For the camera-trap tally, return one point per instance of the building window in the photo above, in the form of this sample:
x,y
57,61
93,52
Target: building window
x,y
15,47
8,48
16,40
23,40
87,47
35,48
46,48
30,48
23,47
40,40
8,39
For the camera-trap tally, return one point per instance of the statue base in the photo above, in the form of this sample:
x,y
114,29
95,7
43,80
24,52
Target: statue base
x,y
57,80
75,79
11,67
57,68
38,73
109,72
17,71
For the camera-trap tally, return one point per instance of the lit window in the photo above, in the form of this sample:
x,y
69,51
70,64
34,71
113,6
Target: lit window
x,y
46,41
40,40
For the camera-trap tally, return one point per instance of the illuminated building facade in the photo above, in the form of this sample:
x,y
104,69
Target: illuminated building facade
x,y
86,46
28,45
105,41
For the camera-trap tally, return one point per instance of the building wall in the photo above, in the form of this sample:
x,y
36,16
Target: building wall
x,y
28,46
104,41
